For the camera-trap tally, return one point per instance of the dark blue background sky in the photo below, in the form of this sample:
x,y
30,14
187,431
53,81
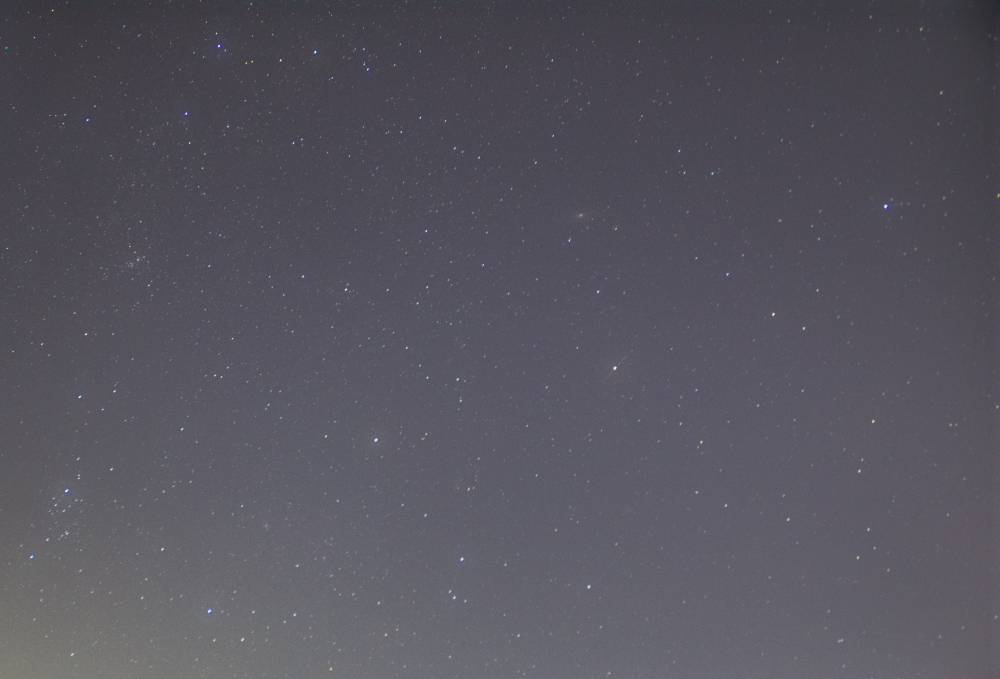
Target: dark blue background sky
x,y
497,340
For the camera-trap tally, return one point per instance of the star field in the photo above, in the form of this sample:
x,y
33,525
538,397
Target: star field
x,y
498,340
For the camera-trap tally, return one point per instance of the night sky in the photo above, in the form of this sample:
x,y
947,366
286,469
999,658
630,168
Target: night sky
x,y
497,341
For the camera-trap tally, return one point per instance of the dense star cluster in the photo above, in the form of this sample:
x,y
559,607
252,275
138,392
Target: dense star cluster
x,y
497,340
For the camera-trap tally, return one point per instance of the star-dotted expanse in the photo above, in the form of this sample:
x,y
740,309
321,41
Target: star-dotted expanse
x,y
498,340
